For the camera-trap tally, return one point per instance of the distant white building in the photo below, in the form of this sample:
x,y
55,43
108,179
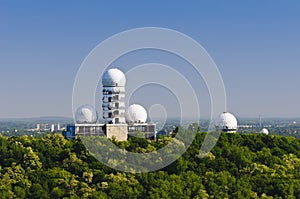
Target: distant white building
x,y
264,131
52,128
38,127
226,122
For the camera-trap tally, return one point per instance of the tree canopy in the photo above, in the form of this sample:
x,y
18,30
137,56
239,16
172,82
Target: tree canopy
x,y
239,166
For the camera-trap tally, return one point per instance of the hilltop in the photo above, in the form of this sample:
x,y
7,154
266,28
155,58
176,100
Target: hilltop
x,y
239,166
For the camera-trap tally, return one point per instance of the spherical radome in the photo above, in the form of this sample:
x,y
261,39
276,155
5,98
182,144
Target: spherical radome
x,y
113,77
86,114
136,114
264,131
226,122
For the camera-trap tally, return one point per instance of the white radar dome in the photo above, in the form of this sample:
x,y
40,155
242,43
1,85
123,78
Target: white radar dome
x,y
264,131
113,77
226,122
136,114
86,114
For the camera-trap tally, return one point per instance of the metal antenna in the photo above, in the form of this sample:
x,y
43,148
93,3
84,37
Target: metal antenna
x,y
259,121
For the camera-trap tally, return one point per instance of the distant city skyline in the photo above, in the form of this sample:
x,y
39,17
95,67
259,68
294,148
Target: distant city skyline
x,y
255,45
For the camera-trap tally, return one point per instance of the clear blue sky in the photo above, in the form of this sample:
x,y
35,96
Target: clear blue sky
x,y
255,44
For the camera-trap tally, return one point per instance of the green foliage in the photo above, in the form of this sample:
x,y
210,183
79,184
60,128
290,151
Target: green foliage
x,y
239,166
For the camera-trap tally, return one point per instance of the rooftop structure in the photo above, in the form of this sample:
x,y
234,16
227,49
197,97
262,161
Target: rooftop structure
x,y
136,114
86,114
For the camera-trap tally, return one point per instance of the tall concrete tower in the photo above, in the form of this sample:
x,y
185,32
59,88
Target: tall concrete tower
x,y
113,101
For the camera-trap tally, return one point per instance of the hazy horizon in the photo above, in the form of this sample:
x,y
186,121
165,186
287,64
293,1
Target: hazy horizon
x,y
156,118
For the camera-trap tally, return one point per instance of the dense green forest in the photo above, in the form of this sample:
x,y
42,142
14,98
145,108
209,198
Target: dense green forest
x,y
239,166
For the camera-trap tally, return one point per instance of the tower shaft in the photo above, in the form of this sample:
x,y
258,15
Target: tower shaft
x,y
113,104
